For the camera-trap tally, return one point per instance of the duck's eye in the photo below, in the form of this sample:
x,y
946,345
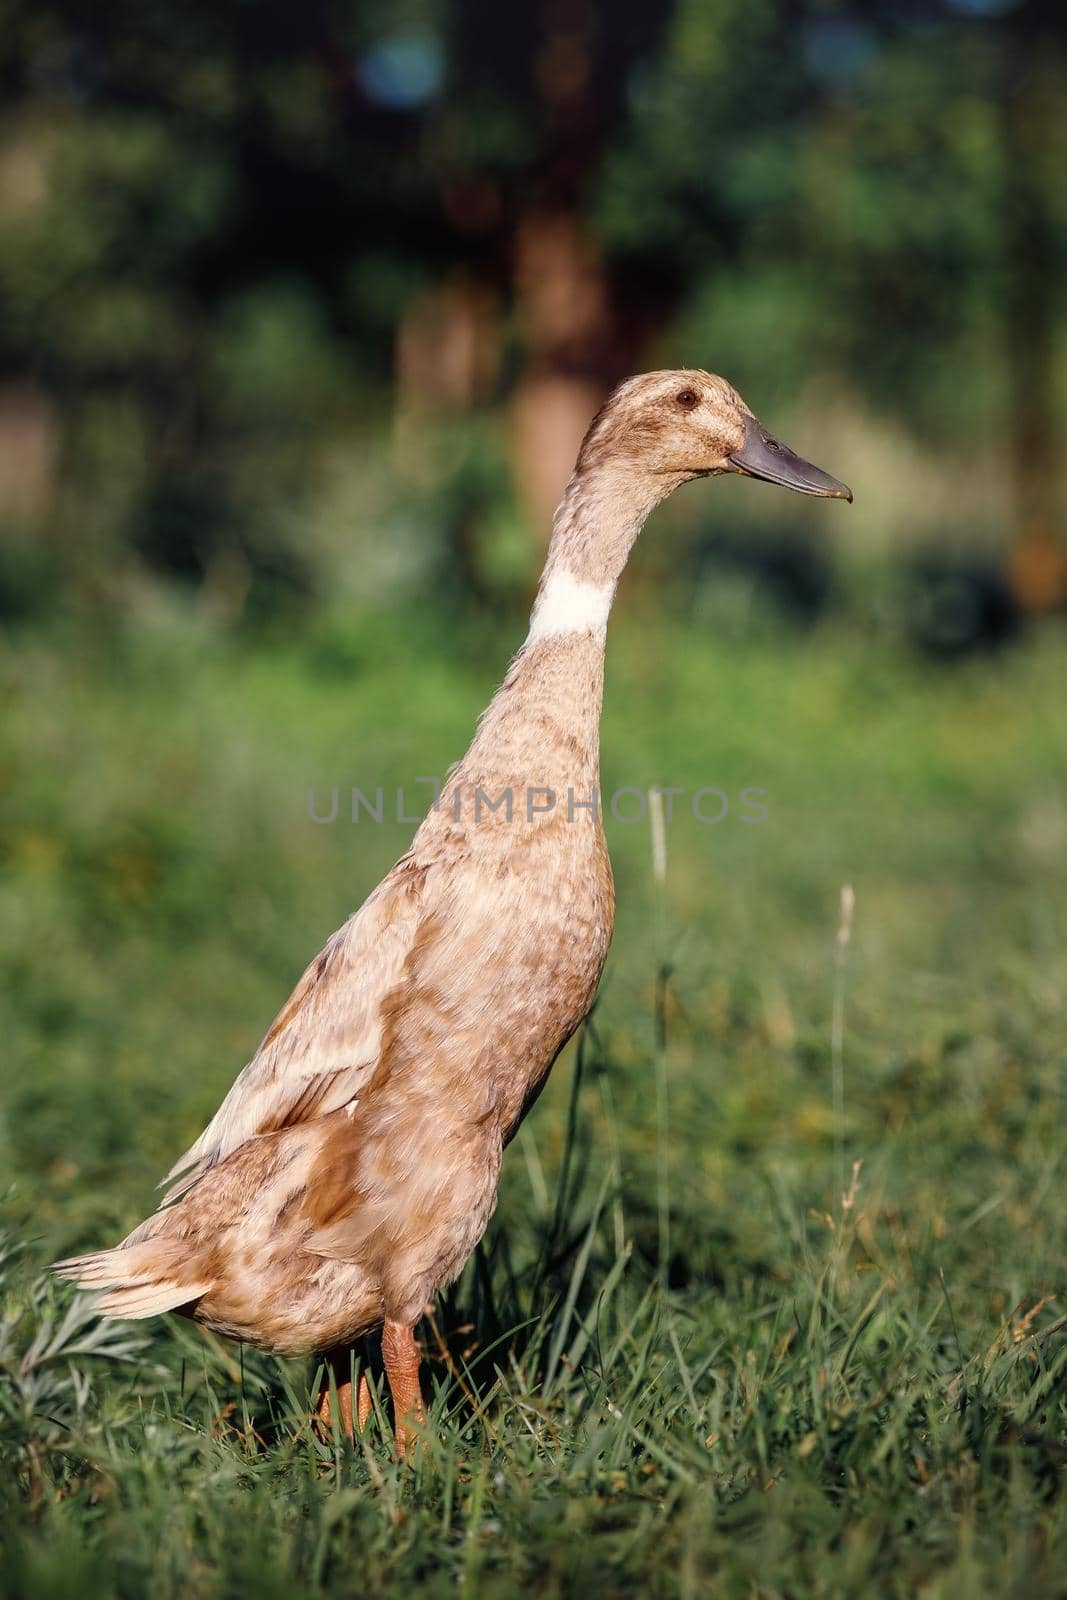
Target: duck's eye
x,y
687,398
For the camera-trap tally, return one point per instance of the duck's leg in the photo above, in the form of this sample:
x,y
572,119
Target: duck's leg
x,y
339,1366
401,1356
363,1400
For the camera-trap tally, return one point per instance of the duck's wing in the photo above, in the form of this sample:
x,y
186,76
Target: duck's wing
x,y
324,1044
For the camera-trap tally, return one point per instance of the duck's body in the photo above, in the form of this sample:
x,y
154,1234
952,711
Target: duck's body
x,y
353,1166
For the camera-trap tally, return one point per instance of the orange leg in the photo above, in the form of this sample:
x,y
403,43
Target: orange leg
x,y
401,1356
339,1365
363,1400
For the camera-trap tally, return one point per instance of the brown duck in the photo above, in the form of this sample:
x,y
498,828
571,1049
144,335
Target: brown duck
x,y
353,1166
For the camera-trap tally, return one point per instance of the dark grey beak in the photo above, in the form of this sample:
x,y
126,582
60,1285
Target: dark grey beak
x,y
763,456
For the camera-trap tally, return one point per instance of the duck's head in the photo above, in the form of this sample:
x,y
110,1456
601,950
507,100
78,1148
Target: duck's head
x,y
673,426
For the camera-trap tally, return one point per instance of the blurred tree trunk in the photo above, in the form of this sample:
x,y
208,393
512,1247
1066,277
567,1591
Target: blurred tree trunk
x,y
561,69
576,343
1034,125
573,351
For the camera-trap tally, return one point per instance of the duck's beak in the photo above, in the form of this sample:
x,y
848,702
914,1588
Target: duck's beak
x,y
763,456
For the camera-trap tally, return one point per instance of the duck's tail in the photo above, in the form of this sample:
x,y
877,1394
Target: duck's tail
x,y
137,1280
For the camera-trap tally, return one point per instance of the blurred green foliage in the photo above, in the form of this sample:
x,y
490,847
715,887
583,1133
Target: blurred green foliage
x,y
215,220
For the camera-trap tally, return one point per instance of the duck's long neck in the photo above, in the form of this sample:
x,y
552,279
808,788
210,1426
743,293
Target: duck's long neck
x,y
543,724
595,526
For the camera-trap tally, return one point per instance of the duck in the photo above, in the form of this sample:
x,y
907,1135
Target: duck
x,y
353,1166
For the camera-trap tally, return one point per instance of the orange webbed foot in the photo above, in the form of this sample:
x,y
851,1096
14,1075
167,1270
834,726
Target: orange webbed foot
x,y
339,1368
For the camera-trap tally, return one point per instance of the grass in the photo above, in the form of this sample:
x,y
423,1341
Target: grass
x,y
773,1301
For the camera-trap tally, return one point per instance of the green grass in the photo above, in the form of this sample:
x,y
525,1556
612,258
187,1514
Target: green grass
x,y
723,1335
